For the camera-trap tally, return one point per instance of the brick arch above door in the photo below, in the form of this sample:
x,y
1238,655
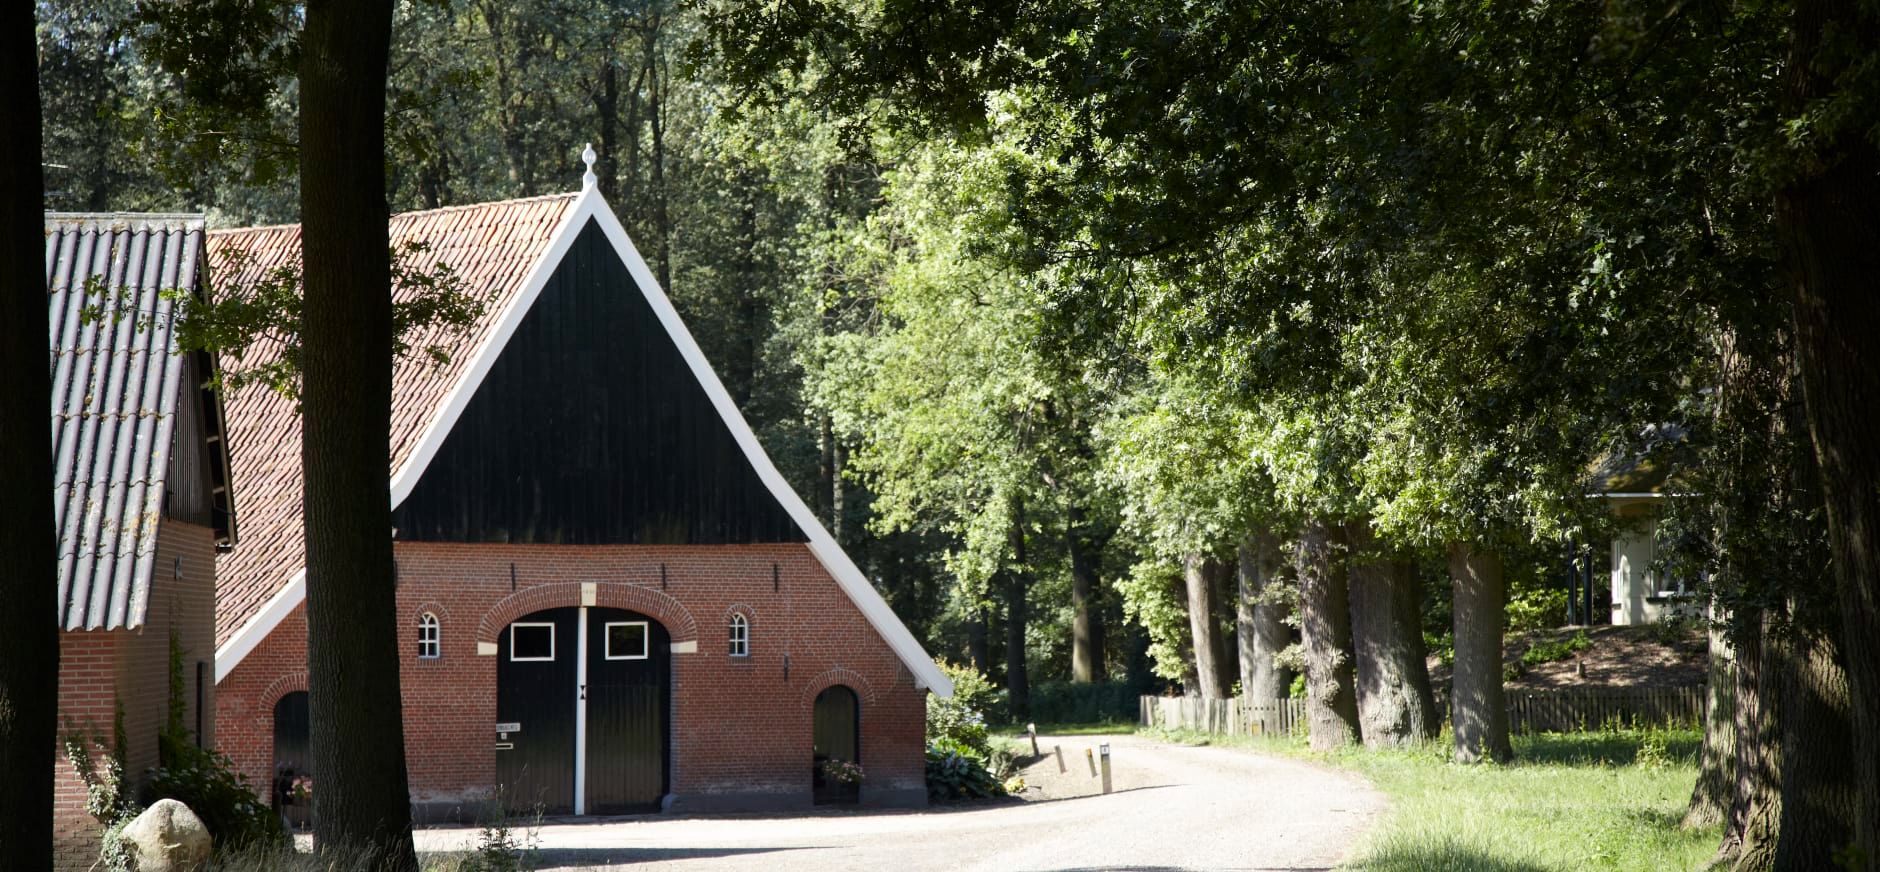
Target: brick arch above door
x,y
669,612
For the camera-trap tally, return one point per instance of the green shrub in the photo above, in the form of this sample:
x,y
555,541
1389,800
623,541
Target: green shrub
x,y
1550,650
1063,702
1536,609
955,771
1671,629
206,781
961,719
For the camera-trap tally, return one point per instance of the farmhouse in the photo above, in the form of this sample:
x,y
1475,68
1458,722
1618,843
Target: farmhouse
x,y
140,495
613,600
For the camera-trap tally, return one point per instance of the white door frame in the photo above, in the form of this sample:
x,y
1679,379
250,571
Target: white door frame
x,y
580,714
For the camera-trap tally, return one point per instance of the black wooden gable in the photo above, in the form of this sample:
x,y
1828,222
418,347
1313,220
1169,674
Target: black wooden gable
x,y
590,428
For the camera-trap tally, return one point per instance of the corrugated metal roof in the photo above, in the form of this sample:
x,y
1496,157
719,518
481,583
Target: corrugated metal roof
x,y
114,395
490,246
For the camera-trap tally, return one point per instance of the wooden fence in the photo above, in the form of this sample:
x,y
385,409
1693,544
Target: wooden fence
x,y
1529,711
1239,716
1580,709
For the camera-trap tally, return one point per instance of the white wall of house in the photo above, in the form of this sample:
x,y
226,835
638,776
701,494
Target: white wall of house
x,y
1639,595
1632,579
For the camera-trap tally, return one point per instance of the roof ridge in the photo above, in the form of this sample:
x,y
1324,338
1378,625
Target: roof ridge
x,y
564,195
142,218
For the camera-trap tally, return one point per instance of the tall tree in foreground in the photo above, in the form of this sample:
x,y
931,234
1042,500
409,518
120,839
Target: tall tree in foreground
x,y
346,396
1395,706
1480,711
1325,627
29,671
1260,618
1829,215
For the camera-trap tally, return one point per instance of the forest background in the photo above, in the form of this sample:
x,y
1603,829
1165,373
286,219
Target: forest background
x,y
1117,339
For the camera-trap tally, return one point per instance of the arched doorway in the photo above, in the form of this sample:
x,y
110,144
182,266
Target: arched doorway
x,y
836,732
293,765
582,700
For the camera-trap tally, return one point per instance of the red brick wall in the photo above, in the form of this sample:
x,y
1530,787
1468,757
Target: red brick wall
x,y
101,670
87,688
741,732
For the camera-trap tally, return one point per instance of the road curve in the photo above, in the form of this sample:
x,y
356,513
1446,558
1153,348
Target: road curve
x,y
1173,807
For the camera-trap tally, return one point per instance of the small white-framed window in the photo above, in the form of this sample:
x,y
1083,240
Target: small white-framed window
x,y
430,645
531,642
740,636
625,640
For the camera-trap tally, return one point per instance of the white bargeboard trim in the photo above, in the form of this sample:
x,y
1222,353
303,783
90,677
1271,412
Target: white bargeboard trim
x,y
258,627
591,206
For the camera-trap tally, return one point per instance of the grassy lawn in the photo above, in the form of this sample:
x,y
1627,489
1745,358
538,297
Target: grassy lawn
x,y
1606,800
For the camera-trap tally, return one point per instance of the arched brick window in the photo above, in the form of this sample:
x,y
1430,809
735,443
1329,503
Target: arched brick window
x,y
430,637
740,633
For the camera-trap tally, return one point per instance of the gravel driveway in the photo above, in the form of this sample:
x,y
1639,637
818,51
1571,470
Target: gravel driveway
x,y
1173,807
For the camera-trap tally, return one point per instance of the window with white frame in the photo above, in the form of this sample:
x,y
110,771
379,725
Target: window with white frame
x,y
532,641
626,640
429,645
740,636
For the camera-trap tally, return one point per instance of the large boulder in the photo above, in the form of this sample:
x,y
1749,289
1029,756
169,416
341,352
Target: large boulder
x,y
167,837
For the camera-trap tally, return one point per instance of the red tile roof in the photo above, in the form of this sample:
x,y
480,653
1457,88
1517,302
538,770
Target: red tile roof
x,y
491,246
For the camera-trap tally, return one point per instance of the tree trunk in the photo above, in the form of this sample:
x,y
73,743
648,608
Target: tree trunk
x,y
1716,762
1261,621
751,322
1017,617
1395,707
978,645
346,334
1086,623
1325,625
29,670
1479,708
1818,800
1204,577
1829,215
607,118
656,81
1755,801
826,462
838,510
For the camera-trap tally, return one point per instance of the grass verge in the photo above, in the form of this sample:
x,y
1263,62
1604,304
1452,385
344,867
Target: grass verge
x,y
1097,728
1608,800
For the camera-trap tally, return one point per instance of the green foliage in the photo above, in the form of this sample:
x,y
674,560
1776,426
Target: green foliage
x,y
1095,702
1537,609
961,719
1154,600
499,847
205,779
107,797
1672,629
955,771
1551,650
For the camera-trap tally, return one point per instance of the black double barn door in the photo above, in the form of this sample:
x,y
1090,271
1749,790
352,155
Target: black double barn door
x,y
610,728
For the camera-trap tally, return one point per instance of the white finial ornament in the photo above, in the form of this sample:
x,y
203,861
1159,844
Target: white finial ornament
x,y
588,178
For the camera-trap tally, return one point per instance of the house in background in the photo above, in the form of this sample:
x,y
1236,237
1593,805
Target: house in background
x,y
611,599
140,496
1635,487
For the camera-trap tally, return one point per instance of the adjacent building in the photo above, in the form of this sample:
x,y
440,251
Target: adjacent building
x,y
140,494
